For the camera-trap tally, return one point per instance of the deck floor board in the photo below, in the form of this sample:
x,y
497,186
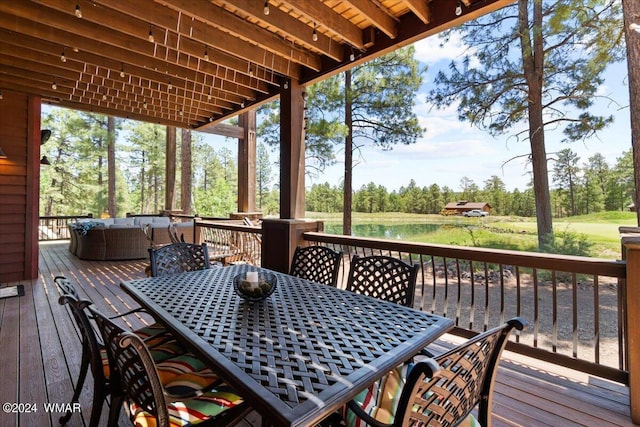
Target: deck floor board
x,y
40,356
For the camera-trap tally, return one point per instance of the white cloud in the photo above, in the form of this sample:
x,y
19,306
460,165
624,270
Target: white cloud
x,y
430,50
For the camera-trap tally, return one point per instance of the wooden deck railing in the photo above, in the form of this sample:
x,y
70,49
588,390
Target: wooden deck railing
x,y
55,227
575,305
231,240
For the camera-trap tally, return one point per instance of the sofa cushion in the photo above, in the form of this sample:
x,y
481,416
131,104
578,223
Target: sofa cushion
x,y
93,221
120,221
122,226
142,220
161,220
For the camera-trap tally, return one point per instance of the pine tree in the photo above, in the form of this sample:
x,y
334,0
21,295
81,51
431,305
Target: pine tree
x,y
538,63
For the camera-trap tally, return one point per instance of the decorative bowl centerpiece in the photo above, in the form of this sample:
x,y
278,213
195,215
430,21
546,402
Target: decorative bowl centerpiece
x,y
255,285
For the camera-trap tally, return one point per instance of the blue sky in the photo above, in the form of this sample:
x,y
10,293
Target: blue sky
x,y
450,149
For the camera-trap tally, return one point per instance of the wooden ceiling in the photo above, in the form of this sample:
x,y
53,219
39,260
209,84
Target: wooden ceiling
x,y
192,63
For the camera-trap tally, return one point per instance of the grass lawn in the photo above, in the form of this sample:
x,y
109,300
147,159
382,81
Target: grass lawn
x,y
516,233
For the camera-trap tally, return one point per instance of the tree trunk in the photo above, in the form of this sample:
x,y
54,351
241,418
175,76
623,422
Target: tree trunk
x,y
142,183
112,208
533,63
631,11
348,156
170,169
572,194
185,172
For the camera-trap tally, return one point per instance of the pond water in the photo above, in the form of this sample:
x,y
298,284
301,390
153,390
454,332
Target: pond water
x,y
393,231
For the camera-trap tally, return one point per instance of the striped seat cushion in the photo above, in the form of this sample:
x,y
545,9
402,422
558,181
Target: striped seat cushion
x,y
184,364
166,351
192,411
106,371
381,400
151,330
160,343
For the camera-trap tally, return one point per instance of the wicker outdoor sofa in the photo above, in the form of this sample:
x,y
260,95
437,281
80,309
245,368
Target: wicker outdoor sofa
x,y
122,238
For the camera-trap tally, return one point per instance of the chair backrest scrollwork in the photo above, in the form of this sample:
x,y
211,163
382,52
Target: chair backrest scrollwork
x,y
383,277
178,258
316,263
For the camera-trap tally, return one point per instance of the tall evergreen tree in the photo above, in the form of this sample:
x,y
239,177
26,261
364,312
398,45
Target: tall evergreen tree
x,y
631,14
565,176
112,206
369,104
539,62
263,172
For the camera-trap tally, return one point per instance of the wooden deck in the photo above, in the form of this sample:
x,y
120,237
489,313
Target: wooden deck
x,y
39,357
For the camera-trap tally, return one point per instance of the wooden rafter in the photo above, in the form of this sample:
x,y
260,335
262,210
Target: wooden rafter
x,y
111,66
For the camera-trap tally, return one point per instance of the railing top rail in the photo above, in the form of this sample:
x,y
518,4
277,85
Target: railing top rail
x,y
65,216
568,263
227,225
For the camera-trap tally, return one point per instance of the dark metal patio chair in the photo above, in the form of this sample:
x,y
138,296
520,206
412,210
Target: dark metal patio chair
x,y
316,263
194,397
93,356
178,258
442,391
383,277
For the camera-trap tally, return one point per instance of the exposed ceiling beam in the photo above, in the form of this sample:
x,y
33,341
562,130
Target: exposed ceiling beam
x,y
421,9
105,96
284,24
112,29
232,27
317,12
21,26
380,18
77,61
86,104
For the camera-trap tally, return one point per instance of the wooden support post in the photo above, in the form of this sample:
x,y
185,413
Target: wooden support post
x,y
247,162
292,150
280,238
32,199
170,169
631,251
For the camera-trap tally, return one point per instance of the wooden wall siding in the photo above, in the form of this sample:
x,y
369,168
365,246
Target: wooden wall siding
x,y
19,186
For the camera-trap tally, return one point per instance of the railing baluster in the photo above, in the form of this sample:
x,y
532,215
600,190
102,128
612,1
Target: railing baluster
x,y
522,291
459,297
554,311
536,299
472,315
434,280
574,313
596,318
502,290
486,297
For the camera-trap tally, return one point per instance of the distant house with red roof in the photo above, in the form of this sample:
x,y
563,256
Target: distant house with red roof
x,y
458,208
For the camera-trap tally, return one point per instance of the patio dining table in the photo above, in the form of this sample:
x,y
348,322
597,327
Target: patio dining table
x,y
298,355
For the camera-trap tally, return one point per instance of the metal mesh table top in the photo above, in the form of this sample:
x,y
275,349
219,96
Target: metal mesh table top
x,y
299,354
